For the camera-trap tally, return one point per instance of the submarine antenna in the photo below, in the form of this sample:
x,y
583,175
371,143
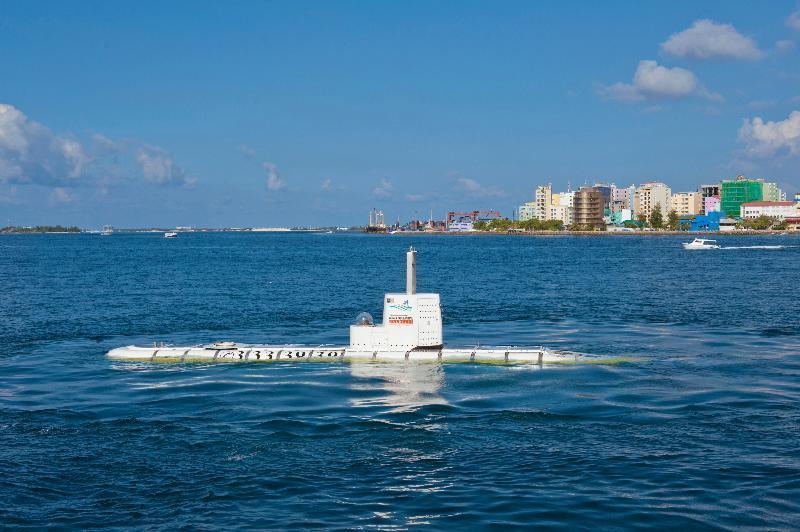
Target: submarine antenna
x,y
411,271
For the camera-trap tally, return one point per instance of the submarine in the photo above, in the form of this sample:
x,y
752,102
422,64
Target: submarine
x,y
411,330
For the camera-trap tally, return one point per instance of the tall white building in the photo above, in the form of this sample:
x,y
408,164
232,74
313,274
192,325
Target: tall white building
x,y
648,195
526,211
771,192
543,199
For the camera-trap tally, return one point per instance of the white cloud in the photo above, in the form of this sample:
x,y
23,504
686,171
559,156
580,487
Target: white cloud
x,y
793,20
61,195
105,143
327,185
158,167
473,188
415,197
274,181
32,154
707,39
784,46
384,189
765,139
655,82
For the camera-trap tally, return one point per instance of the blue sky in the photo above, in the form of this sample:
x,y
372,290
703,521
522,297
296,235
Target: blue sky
x,y
307,113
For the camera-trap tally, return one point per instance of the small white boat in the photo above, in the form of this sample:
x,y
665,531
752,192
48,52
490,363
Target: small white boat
x,y
170,234
701,243
107,231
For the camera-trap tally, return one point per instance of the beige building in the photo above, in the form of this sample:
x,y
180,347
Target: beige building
x,y
685,203
563,213
648,195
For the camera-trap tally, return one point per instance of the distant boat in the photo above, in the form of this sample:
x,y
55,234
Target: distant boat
x,y
107,230
170,234
701,243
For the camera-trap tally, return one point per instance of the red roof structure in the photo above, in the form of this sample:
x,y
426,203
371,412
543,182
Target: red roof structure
x,y
768,204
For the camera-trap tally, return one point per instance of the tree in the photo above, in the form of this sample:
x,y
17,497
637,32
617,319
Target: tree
x,y
673,222
480,225
642,219
656,218
500,224
760,223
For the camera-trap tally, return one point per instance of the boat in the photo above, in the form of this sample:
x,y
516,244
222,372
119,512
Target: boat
x,y
411,331
107,231
701,243
170,234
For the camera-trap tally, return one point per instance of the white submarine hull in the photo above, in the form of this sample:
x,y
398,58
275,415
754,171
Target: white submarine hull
x,y
411,331
296,353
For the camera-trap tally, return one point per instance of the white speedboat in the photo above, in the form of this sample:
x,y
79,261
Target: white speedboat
x,y
170,234
701,243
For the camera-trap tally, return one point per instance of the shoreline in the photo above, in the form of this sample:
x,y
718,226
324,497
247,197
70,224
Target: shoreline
x,y
595,233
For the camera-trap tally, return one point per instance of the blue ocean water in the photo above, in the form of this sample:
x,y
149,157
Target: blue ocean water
x,y
702,431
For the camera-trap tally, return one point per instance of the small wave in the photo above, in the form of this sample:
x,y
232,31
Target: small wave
x,y
757,247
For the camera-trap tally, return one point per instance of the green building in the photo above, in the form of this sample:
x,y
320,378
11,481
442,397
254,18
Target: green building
x,y
740,190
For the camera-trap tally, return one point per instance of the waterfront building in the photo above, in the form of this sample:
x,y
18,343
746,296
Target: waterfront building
x,y
734,192
797,197
706,222
589,206
771,192
562,213
686,203
711,204
543,199
461,226
707,191
606,190
648,195
621,216
526,211
623,197
773,209
567,201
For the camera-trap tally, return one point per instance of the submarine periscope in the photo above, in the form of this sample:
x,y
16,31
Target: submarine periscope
x,y
411,331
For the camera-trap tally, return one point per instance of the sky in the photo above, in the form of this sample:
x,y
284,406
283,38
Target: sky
x,y
295,113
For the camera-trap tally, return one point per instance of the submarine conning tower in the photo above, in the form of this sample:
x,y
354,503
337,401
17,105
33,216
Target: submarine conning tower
x,y
410,320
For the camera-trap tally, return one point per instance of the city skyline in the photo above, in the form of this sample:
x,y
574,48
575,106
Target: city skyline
x,y
313,113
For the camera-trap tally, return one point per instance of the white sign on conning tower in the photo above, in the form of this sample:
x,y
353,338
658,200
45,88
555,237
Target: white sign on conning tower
x,y
410,320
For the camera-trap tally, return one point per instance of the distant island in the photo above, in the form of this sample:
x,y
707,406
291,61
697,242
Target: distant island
x,y
40,229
